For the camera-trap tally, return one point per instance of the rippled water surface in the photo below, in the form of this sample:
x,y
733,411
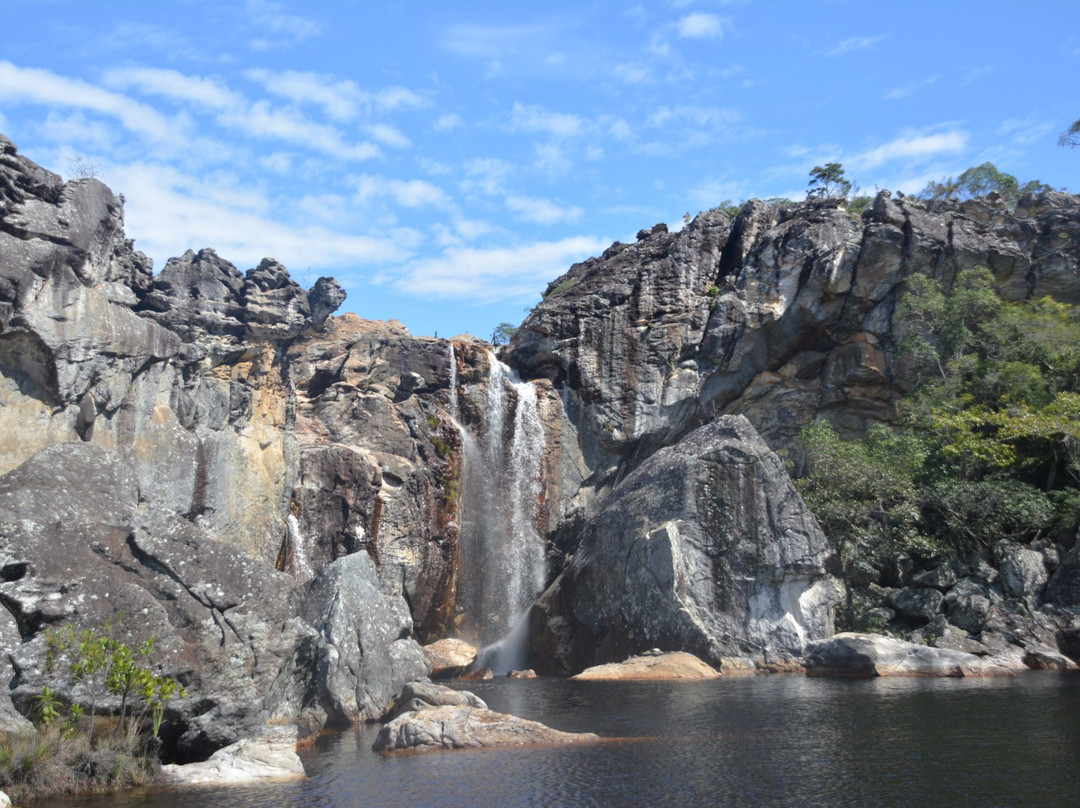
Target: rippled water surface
x,y
763,741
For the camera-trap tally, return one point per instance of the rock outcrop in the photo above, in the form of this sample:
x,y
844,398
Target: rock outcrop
x,y
272,756
652,666
706,547
850,654
465,727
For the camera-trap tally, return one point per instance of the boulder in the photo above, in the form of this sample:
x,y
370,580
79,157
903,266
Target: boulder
x,y
705,548
271,756
365,654
1064,585
449,658
851,654
1043,659
465,727
917,603
674,665
1023,571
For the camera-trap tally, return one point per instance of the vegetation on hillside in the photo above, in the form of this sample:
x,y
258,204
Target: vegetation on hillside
x,y
987,445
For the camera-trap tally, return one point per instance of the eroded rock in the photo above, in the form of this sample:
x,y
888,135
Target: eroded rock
x,y
462,727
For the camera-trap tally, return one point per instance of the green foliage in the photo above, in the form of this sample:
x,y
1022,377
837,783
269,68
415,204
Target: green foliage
x,y
978,181
560,287
859,204
503,333
1071,136
103,665
988,443
827,181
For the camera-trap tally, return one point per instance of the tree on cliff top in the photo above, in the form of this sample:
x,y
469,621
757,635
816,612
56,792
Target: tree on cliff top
x,y
827,181
1071,136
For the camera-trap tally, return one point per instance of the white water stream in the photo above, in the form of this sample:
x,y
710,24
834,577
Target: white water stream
x,y
501,555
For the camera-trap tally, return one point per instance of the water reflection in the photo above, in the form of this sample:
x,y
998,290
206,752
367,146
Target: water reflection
x,y
774,741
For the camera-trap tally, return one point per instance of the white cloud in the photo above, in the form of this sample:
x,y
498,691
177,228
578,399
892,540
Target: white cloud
x,y
277,27
408,193
486,175
45,87
632,73
494,275
171,212
542,211
701,26
175,86
855,43
909,89
446,123
389,136
341,99
261,120
534,118
910,147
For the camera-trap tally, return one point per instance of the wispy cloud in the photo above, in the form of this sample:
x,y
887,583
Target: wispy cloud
x,y
277,28
259,119
491,275
542,211
175,86
407,193
341,99
486,175
700,25
18,84
534,118
911,146
171,212
448,122
909,89
855,43
389,136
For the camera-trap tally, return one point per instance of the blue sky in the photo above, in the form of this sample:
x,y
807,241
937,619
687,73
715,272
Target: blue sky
x,y
446,160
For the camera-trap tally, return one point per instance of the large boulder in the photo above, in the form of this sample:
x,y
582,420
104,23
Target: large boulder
x,y
365,653
269,757
705,548
464,727
851,654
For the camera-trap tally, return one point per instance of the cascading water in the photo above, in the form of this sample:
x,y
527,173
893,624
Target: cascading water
x,y
501,551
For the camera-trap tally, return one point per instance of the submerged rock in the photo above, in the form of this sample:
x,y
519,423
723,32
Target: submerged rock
x,y
851,654
674,665
463,727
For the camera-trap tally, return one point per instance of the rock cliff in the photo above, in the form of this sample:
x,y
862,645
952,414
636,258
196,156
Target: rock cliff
x,y
194,450
783,316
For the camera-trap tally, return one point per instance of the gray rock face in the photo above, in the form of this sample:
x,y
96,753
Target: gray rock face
x,y
365,654
705,548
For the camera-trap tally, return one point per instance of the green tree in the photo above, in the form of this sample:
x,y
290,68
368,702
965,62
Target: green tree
x,y
828,181
503,333
1071,136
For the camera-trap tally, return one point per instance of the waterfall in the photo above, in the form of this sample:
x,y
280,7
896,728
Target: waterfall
x,y
300,555
501,551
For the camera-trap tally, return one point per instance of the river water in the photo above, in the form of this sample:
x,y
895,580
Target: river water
x,y
758,741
